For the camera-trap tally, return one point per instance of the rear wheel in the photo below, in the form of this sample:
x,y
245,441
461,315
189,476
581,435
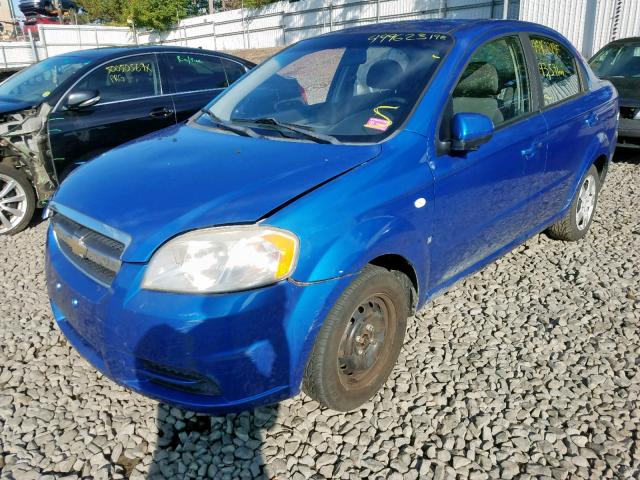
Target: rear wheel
x,y
17,201
359,343
576,222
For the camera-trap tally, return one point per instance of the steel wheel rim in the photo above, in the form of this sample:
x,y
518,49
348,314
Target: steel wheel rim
x,y
586,202
13,203
364,343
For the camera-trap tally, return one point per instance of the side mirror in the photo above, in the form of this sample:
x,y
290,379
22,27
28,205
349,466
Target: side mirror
x,y
82,99
469,131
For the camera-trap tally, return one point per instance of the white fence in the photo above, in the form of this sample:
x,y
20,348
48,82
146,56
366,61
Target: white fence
x,y
283,23
589,24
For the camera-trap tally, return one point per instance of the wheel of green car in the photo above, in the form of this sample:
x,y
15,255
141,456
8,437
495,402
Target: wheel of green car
x,y
17,200
576,222
360,340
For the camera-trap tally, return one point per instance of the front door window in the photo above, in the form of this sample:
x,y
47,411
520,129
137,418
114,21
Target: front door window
x,y
124,79
495,82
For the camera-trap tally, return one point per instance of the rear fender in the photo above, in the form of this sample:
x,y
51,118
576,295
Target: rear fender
x,y
602,145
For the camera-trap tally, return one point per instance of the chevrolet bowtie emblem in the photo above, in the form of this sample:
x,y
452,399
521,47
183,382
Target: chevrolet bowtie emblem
x,y
75,243
77,246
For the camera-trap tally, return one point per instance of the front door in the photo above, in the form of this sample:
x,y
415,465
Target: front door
x,y
131,105
481,197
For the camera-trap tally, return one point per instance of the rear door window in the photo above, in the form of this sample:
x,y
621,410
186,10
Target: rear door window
x,y
233,69
193,72
558,69
124,79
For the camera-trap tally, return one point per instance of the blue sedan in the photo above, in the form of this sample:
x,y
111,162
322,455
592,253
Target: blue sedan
x,y
280,239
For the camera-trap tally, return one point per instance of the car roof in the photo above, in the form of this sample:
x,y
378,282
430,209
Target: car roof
x,y
459,27
625,40
106,53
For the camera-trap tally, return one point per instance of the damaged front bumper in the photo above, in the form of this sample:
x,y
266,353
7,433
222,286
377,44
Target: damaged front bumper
x,y
24,145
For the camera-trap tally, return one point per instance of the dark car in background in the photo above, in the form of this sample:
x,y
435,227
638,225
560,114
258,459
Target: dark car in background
x,y
67,109
619,62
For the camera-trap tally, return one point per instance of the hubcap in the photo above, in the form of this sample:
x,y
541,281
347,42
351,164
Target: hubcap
x,y
362,343
13,203
586,202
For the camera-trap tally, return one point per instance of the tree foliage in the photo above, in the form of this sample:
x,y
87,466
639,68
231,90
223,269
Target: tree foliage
x,y
257,3
154,14
103,11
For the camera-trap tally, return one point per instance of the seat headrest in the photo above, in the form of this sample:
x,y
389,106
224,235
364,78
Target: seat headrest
x,y
482,81
384,74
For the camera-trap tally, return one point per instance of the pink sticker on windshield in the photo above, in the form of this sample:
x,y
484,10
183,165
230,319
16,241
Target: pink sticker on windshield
x,y
378,124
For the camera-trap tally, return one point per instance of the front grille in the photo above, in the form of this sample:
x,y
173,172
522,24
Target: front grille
x,y
95,254
629,112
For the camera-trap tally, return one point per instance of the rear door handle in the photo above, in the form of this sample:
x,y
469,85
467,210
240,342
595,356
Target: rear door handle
x,y
592,119
161,113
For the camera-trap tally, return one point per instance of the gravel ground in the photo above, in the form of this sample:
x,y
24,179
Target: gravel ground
x,y
255,55
528,369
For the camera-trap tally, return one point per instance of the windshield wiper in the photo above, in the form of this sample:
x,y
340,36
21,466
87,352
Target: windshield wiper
x,y
238,129
307,132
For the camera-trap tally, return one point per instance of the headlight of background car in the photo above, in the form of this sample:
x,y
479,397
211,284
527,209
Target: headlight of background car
x,y
637,115
223,259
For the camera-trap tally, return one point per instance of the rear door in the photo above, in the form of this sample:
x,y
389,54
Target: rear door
x,y
196,79
572,117
131,105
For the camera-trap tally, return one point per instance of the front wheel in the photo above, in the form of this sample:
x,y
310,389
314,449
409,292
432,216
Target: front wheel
x,y
17,201
359,343
576,222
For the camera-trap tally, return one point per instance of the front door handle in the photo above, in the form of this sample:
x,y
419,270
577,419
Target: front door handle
x,y
529,153
161,113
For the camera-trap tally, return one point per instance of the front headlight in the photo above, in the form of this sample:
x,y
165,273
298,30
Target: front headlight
x,y
223,259
637,115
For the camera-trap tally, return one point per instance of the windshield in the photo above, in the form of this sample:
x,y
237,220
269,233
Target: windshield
x,y
349,87
621,60
37,82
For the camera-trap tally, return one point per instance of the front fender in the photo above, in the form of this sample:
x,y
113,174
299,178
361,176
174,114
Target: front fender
x,y
382,207
370,239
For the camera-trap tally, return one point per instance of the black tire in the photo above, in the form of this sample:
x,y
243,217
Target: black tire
x,y
378,296
573,226
29,194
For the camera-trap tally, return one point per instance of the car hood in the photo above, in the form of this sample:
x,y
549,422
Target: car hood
x,y
10,105
188,177
628,89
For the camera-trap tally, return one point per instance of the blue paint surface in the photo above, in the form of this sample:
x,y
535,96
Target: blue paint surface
x,y
348,204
